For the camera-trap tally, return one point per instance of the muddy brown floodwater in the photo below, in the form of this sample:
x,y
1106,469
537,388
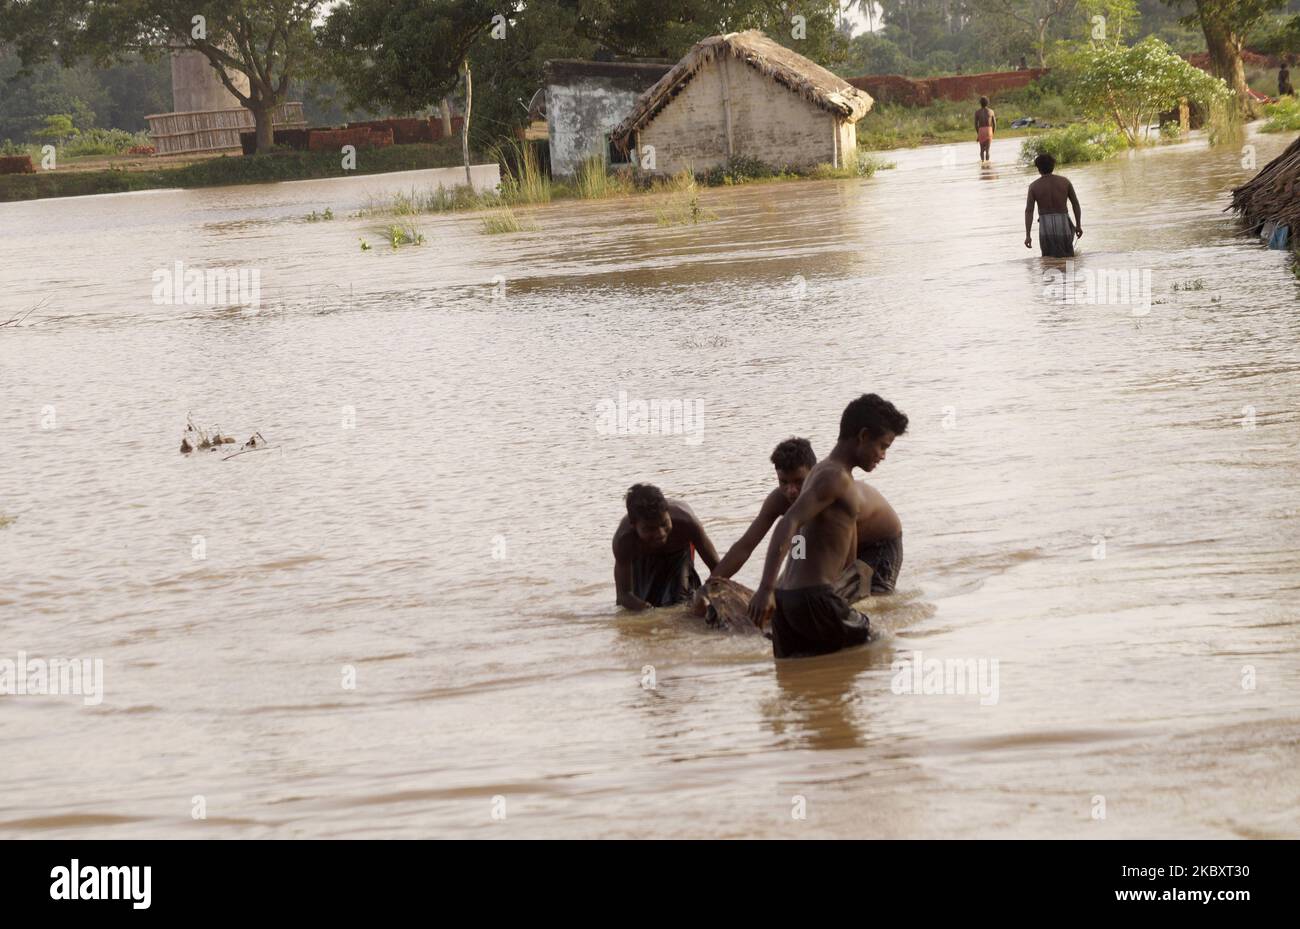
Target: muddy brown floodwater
x,y
1102,498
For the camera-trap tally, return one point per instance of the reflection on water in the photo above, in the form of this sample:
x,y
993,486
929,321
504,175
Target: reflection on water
x,y
1102,501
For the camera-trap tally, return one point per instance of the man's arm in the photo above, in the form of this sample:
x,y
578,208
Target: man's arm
x,y
1078,211
743,547
1029,216
704,547
623,587
819,492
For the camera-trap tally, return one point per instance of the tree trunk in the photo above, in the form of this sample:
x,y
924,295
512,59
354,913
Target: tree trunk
x,y
464,127
265,128
1225,58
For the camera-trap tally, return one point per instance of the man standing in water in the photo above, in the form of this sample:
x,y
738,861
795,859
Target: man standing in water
x,y
1051,192
986,121
810,617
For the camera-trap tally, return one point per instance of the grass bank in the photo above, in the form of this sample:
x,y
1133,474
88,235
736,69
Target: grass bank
x,y
944,121
233,169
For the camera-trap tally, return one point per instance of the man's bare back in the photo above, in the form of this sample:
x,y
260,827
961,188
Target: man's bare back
x,y
1051,193
876,518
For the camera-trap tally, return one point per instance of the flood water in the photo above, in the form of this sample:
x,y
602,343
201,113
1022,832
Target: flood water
x,y
1102,500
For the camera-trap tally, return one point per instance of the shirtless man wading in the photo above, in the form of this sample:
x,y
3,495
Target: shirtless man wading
x,y
810,617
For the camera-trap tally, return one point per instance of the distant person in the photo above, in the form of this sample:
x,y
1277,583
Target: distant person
x,y
810,617
1050,193
986,121
654,551
1284,88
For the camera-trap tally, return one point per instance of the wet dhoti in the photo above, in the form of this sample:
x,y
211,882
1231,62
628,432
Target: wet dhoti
x,y
1055,235
665,578
815,621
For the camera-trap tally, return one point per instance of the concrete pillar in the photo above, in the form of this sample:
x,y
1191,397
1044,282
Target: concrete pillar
x,y
196,85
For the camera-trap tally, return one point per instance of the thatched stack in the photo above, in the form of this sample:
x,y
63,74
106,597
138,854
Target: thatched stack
x,y
1270,196
806,78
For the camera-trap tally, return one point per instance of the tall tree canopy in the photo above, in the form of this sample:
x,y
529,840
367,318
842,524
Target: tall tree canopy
x,y
268,41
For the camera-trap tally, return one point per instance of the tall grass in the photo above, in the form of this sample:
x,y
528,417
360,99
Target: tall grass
x,y
522,179
594,181
679,202
504,221
1223,124
1283,116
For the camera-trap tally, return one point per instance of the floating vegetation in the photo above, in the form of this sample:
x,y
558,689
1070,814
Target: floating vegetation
x,y
503,221
315,217
680,204
7,520
21,318
365,246
1198,284
399,234
195,439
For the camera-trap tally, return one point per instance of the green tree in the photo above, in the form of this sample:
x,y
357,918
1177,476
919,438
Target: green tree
x,y
408,55
1225,24
1131,85
57,129
268,41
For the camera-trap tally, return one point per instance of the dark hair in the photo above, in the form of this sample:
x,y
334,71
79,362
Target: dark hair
x,y
645,501
793,453
873,413
984,101
1044,163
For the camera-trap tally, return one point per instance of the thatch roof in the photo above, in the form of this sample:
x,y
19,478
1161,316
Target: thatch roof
x,y
1271,194
806,78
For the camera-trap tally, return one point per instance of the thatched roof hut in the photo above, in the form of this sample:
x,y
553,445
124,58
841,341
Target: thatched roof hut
x,y
744,71
1271,196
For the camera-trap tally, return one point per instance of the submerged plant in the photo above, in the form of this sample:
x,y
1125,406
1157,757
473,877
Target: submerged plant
x,y
503,221
399,234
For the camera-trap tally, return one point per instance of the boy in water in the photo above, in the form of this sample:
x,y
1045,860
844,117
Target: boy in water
x,y
880,531
654,551
810,617
793,459
1050,192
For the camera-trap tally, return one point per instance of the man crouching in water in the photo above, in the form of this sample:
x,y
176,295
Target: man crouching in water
x,y
654,550
811,618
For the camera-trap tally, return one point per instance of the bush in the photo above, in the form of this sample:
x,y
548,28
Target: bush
x,y
105,142
1077,143
1283,116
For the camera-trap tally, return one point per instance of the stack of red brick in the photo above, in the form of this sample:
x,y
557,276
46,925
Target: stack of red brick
x,y
319,140
16,164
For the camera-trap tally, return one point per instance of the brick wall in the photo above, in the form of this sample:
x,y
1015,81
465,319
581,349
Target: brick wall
x,y
768,122
894,88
